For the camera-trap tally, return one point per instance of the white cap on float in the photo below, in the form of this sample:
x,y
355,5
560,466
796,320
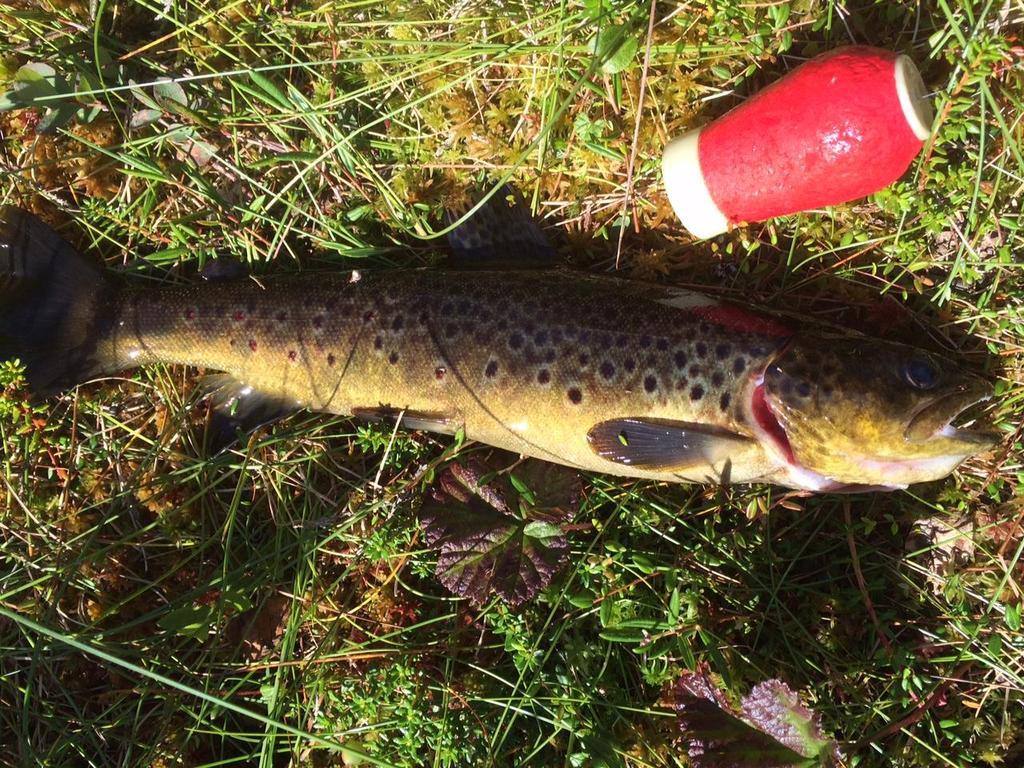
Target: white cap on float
x,y
687,190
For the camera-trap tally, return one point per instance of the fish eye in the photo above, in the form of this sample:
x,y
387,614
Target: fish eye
x,y
920,374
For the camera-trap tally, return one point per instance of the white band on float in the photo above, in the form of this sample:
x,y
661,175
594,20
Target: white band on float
x,y
917,107
687,190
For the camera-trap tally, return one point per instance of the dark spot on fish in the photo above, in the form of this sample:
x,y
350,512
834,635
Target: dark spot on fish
x,y
575,395
607,370
629,365
331,303
681,360
292,355
584,359
239,315
378,343
662,345
318,322
826,390
393,358
550,355
369,315
451,330
650,384
218,311
281,316
695,371
717,379
803,389
697,392
252,344
463,307
584,336
605,340
702,349
645,341
447,307
621,340
492,369
331,360
440,372
397,323
543,376
691,333
190,314
502,325
231,342
723,401
515,341
739,365
556,336
540,338
424,318
722,351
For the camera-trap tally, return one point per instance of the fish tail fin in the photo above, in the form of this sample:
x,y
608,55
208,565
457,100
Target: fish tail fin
x,y
500,233
55,306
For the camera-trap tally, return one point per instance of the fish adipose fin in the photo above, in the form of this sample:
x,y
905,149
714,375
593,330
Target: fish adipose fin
x,y
501,233
239,409
56,307
662,444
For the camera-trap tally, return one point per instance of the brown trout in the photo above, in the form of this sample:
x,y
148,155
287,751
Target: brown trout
x,y
592,372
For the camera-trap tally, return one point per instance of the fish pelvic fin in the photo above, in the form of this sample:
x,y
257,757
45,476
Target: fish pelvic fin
x,y
664,445
500,233
239,409
56,306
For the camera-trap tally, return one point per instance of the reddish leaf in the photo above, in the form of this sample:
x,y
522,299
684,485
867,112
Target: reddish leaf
x,y
497,535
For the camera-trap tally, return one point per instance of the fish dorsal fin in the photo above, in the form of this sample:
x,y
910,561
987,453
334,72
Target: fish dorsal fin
x,y
663,444
501,233
428,421
239,408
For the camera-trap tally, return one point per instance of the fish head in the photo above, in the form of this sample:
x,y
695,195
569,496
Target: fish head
x,y
861,412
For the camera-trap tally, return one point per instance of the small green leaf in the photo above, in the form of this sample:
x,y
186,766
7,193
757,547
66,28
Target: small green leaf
x,y
615,47
190,620
170,95
56,118
37,82
721,72
622,57
9,101
541,530
144,117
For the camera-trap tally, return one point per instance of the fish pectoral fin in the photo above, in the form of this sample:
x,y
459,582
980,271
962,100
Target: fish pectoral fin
x,y
428,421
663,444
239,408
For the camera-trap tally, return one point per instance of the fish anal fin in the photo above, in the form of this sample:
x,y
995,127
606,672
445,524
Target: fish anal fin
x,y
664,444
428,421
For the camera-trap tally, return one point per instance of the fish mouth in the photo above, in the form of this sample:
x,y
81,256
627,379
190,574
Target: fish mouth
x,y
955,416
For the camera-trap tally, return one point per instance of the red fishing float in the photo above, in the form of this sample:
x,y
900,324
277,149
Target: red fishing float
x,y
839,127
